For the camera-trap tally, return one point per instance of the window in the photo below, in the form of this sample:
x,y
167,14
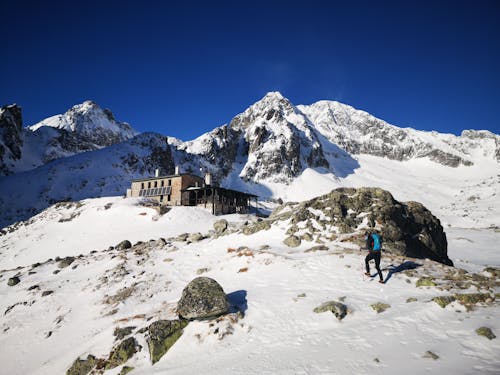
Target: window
x,y
162,183
161,198
168,197
156,183
149,185
169,182
142,185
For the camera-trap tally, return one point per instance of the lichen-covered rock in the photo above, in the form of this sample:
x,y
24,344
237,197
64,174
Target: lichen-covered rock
x,y
202,298
121,333
470,299
444,301
411,299
380,307
292,241
122,353
425,281
338,309
124,245
486,332
82,366
162,334
220,226
13,281
125,370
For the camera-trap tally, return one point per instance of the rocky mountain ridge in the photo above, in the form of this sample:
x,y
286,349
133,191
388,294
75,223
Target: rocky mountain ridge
x,y
84,127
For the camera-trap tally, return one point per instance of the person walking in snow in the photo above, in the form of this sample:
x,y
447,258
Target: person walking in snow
x,y
374,246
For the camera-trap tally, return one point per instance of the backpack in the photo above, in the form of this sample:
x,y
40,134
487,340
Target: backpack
x,y
377,242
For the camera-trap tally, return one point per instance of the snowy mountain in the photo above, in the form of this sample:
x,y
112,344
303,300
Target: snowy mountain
x,y
273,149
85,127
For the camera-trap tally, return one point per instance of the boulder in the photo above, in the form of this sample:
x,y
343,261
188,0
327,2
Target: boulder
x,y
203,298
13,281
162,334
122,353
407,229
337,308
220,226
124,245
292,241
486,332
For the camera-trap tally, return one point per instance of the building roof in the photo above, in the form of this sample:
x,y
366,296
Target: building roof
x,y
210,187
168,176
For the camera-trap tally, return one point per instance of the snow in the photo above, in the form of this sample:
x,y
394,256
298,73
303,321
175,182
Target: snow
x,y
279,334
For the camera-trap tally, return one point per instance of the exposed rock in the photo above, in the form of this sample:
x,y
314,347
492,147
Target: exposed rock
x,y
125,370
444,301
123,245
13,281
82,366
202,298
181,237
338,309
195,237
47,293
122,353
486,332
317,248
380,307
220,226
431,355
425,281
162,334
65,262
256,227
411,299
121,333
494,272
292,241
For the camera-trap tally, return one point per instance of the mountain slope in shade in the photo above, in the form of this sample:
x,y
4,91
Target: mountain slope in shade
x,y
85,127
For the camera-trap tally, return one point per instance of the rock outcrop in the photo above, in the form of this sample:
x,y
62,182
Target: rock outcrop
x,y
202,298
407,229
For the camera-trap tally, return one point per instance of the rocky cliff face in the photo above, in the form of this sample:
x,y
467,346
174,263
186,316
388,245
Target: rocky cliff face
x,y
11,135
407,229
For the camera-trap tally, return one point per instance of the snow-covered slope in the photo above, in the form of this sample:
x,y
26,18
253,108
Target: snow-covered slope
x,y
63,309
104,172
85,127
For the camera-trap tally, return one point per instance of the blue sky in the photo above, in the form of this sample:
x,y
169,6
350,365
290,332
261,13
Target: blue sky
x,y
183,69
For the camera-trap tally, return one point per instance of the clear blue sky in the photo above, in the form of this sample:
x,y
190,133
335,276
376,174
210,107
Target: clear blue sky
x,y
183,69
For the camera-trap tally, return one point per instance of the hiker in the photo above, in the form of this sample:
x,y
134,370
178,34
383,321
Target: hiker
x,y
374,246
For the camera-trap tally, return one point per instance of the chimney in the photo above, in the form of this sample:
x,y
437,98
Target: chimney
x,y
157,172
208,179
177,170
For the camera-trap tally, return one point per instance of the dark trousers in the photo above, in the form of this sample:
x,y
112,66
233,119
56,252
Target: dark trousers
x,y
375,255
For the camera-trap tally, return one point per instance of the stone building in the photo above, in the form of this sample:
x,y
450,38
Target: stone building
x,y
185,189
